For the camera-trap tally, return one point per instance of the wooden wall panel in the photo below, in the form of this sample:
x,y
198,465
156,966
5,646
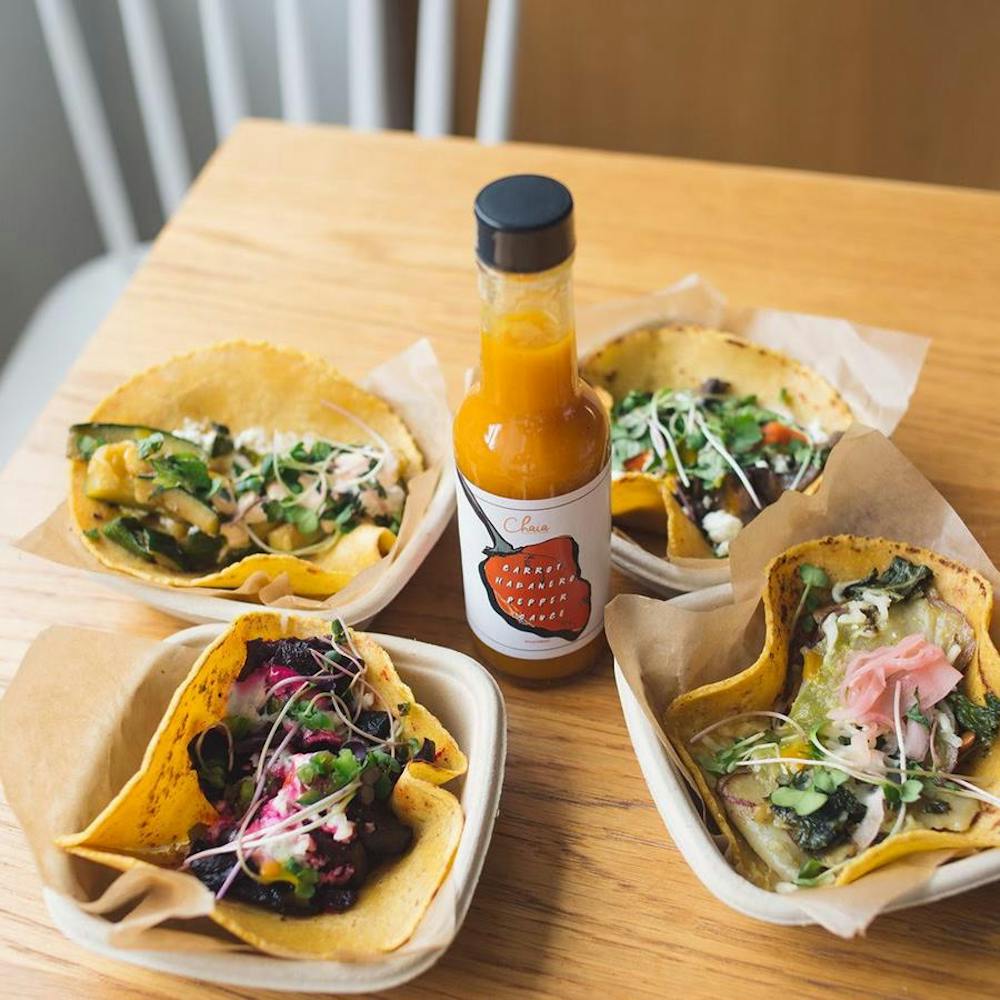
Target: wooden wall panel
x,y
890,88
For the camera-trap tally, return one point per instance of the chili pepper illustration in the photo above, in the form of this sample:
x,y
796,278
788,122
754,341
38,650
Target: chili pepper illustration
x,y
535,588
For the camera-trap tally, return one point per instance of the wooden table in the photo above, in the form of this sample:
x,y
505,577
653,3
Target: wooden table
x,y
356,245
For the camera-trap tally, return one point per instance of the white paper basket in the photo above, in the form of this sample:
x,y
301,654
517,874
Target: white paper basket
x,y
463,695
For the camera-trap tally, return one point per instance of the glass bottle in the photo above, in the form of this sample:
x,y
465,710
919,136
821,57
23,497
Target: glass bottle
x,y
531,447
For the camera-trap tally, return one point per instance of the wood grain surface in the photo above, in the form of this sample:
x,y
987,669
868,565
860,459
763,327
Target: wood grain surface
x,y
354,246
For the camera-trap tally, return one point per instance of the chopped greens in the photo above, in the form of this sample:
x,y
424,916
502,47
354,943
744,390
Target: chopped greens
x,y
901,579
726,760
188,472
817,816
813,873
730,454
196,498
982,720
906,792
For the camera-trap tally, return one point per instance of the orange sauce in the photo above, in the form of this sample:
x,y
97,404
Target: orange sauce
x,y
529,428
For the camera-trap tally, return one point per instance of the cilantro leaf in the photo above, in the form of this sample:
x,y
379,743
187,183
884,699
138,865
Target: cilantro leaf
x,y
743,433
183,471
813,576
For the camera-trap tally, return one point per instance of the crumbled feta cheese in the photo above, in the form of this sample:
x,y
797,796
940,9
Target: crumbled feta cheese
x,y
830,632
262,442
721,527
817,435
285,847
338,824
880,600
199,432
854,615
780,464
867,614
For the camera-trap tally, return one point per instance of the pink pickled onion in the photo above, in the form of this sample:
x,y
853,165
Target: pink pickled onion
x,y
920,668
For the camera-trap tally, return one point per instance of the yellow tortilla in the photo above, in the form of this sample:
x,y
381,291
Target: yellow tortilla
x,y
844,557
682,357
243,385
148,821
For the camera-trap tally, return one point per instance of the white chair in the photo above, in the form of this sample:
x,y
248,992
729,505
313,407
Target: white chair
x,y
72,310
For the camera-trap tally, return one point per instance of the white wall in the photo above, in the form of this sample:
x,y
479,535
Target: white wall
x,y
46,223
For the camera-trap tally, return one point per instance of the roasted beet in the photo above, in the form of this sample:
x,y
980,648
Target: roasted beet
x,y
343,863
375,724
279,896
326,874
311,740
426,752
211,754
258,653
382,833
294,653
334,899
357,747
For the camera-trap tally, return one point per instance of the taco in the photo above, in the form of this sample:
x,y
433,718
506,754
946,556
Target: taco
x,y
295,775
707,429
241,459
867,728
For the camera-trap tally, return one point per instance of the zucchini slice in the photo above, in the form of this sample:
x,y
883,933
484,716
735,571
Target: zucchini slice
x,y
147,543
185,507
85,439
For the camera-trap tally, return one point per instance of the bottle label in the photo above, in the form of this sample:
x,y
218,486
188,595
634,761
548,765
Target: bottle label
x,y
536,572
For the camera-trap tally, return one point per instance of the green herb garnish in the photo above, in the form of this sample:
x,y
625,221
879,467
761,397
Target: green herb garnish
x,y
983,720
901,579
181,471
811,576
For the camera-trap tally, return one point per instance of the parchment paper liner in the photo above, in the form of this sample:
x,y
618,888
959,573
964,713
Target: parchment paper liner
x,y
875,370
74,725
413,385
664,650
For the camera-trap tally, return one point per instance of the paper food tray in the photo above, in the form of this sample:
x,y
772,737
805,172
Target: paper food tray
x,y
468,702
680,814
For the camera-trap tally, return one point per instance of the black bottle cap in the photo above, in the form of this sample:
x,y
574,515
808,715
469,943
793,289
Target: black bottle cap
x,y
524,223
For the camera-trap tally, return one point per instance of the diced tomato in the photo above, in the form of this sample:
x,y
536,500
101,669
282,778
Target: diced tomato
x,y
638,462
775,432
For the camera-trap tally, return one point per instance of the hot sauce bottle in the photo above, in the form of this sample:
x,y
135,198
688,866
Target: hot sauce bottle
x,y
531,447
